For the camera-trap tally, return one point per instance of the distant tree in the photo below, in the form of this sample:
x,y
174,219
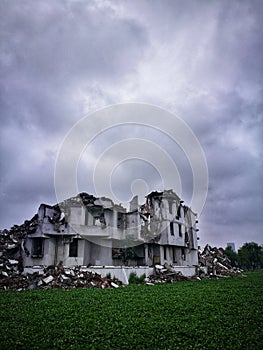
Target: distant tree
x,y
250,256
232,256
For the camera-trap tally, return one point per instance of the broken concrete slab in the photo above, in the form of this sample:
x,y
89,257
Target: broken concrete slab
x,y
48,279
114,285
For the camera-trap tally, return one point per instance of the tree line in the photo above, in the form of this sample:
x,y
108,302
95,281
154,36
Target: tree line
x,y
248,257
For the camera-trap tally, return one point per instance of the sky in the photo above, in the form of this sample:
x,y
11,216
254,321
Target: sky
x,y
201,60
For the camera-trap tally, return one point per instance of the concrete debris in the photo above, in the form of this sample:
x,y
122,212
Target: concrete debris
x,y
166,274
52,277
13,246
114,285
10,246
213,262
13,262
12,275
48,279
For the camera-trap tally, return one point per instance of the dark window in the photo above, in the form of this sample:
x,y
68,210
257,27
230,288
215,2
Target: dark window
x,y
172,228
37,247
117,253
178,214
180,230
174,255
73,248
164,252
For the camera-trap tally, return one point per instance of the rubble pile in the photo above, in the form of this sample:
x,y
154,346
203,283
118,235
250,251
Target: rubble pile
x,y
166,274
12,245
12,242
216,262
13,275
55,277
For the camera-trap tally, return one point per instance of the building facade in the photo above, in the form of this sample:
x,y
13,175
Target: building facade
x,y
85,230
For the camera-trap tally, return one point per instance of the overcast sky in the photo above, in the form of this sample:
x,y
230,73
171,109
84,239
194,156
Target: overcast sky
x,y
201,60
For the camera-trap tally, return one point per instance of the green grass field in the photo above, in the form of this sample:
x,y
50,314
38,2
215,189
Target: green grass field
x,y
208,314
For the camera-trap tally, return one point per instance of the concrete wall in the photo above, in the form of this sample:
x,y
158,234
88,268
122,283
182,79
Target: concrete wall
x,y
48,253
70,261
188,271
122,273
77,215
100,255
90,253
173,255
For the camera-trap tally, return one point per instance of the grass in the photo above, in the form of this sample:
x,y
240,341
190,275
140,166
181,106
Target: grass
x,y
208,314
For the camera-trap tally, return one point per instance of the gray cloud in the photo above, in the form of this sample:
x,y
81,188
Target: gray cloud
x,y
200,60
51,54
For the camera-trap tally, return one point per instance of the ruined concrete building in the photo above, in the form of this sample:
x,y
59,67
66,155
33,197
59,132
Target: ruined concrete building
x,y
85,230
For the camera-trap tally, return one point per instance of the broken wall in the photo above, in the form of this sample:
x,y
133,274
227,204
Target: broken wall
x,y
100,255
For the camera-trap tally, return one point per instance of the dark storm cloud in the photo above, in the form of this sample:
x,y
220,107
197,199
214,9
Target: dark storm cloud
x,y
201,60
215,84
50,53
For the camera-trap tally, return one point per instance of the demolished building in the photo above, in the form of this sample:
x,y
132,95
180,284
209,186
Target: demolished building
x,y
90,231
